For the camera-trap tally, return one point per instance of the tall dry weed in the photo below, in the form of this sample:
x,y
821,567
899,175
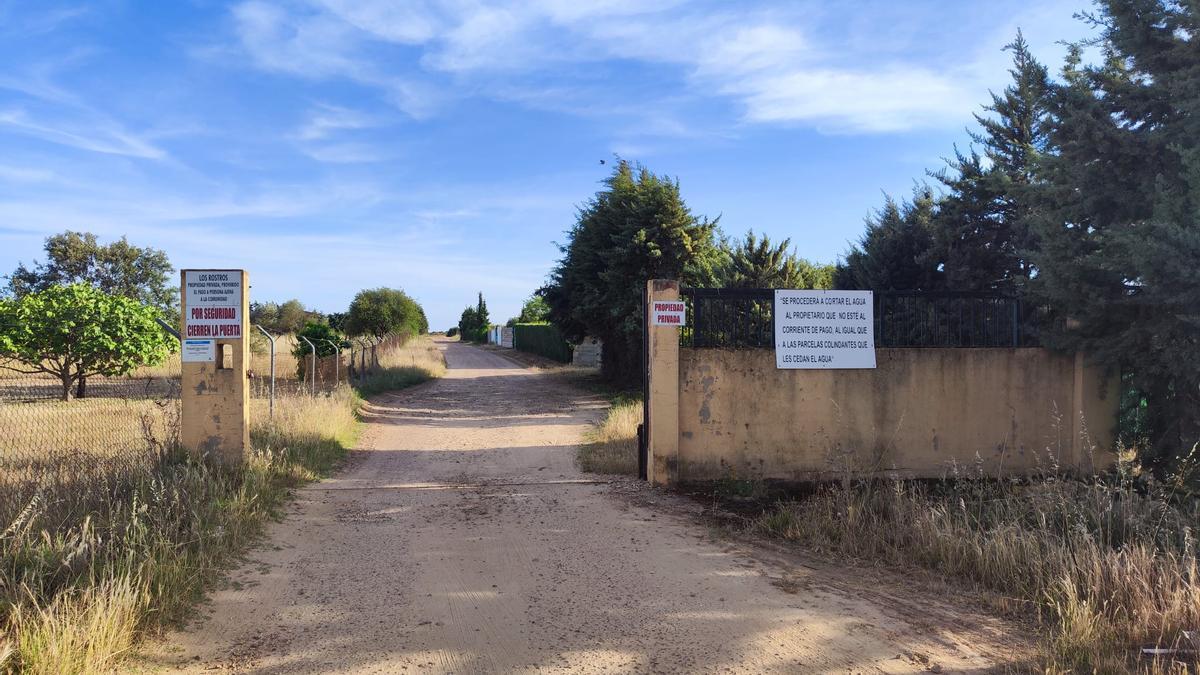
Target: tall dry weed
x,y
611,447
99,546
1109,564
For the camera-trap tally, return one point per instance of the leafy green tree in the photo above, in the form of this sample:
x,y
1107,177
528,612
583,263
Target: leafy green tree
x,y
321,334
756,263
337,320
1119,198
636,228
982,234
385,311
72,332
119,268
535,310
893,254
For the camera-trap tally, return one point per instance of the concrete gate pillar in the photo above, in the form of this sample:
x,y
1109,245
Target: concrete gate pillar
x,y
215,389
662,395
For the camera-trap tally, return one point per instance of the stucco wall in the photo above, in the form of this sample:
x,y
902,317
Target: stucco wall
x,y
921,412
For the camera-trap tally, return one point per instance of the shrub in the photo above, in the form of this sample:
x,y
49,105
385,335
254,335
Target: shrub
x,y
543,339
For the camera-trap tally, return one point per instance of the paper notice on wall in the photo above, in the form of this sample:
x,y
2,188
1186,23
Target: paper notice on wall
x,y
824,329
213,304
199,351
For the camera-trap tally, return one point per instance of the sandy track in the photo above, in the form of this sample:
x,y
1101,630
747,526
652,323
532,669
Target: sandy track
x,y
461,539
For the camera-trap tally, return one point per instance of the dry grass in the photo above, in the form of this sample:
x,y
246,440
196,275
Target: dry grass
x,y
612,446
99,547
402,363
96,426
108,529
84,632
1108,565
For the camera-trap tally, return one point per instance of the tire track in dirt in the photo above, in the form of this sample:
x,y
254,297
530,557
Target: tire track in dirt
x,y
462,539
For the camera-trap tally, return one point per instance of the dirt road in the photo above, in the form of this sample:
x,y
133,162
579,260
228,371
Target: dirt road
x,y
461,539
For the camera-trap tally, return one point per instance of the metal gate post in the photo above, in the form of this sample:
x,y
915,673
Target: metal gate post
x,y
642,432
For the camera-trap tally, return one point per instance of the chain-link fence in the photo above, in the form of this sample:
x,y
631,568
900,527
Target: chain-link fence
x,y
64,447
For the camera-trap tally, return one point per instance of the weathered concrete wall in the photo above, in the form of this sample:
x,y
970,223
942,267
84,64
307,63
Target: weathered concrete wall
x,y
587,354
922,412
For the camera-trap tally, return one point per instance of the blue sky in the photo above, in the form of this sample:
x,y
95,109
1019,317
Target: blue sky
x,y
442,146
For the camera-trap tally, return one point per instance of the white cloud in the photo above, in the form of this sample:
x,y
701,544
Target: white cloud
x,y
99,137
317,44
19,174
770,63
345,153
326,119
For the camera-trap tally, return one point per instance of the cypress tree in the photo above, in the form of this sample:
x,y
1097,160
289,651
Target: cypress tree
x,y
636,228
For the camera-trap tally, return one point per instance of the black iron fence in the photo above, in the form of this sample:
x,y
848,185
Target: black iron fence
x,y
743,318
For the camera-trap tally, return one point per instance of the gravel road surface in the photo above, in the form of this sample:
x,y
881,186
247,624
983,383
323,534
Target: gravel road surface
x,y
460,538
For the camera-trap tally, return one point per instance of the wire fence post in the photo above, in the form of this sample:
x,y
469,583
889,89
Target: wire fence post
x,y
271,405
337,363
313,384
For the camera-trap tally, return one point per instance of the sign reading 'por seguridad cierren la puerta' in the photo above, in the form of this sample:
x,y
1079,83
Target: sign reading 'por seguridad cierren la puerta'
x,y
824,329
213,303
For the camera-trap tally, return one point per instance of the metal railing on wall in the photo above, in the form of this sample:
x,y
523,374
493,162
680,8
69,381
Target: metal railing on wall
x,y
743,318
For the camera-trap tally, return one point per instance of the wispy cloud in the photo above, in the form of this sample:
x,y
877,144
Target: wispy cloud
x,y
318,44
774,66
108,139
326,119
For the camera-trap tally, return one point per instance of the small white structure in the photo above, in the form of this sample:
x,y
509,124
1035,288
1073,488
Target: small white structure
x,y
588,353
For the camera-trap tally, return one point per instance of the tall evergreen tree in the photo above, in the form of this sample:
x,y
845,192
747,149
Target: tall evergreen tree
x,y
636,228
1118,214
754,262
893,254
982,237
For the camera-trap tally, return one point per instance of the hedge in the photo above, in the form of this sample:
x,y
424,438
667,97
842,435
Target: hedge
x,y
543,339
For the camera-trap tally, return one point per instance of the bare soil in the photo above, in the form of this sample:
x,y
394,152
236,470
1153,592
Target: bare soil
x,y
462,539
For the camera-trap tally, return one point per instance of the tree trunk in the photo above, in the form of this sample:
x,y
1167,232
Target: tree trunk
x,y
81,388
65,376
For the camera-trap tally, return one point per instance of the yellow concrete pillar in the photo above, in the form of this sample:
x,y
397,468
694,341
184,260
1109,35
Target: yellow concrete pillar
x,y
662,347
215,389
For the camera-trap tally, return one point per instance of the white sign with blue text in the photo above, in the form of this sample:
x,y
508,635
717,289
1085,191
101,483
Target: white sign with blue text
x,y
824,329
198,351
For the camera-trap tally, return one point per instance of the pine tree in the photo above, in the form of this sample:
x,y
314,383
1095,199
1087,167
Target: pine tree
x,y
754,262
1120,241
893,254
981,236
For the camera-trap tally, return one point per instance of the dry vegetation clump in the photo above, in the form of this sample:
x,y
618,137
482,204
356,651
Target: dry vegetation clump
x,y
402,363
612,446
1108,564
97,547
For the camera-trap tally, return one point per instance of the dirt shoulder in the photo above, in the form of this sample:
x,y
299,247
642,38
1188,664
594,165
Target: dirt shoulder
x,y
461,538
